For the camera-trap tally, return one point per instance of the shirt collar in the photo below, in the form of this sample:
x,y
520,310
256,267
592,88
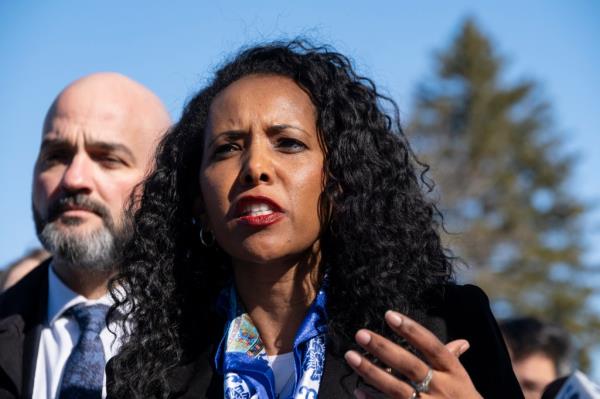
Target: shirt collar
x,y
61,297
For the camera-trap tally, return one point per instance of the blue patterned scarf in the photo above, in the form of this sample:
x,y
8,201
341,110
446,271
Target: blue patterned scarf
x,y
241,356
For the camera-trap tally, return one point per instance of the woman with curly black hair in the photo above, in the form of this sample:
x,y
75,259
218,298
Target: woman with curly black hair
x,y
284,218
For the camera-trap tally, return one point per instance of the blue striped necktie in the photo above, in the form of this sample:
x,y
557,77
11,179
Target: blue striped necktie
x,y
84,371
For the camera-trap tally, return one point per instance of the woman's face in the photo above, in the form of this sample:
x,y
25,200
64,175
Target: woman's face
x,y
262,170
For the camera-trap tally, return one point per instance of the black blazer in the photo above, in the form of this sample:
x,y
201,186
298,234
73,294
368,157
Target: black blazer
x,y
23,312
464,313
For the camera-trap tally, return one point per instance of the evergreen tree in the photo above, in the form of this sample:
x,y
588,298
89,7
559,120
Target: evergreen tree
x,y
501,173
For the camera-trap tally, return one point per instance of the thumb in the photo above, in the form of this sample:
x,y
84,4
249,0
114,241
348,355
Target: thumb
x,y
458,347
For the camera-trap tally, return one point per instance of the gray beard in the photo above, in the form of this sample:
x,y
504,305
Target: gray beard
x,y
98,251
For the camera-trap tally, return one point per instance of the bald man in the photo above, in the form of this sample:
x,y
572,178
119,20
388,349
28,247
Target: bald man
x,y
97,144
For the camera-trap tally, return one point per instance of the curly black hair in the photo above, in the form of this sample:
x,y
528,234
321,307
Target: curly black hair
x,y
379,236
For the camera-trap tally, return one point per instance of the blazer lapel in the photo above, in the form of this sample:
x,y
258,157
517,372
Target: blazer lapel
x,y
21,321
30,351
11,352
339,381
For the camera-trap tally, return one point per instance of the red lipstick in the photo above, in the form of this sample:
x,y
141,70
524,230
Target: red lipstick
x,y
258,211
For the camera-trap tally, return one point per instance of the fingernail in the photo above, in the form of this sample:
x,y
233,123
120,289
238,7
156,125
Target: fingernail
x,y
353,358
464,348
393,318
362,337
359,394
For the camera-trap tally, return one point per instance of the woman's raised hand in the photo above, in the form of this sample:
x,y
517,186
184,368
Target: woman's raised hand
x,y
441,375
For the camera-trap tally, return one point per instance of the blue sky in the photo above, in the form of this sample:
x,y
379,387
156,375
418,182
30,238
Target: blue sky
x,y
173,49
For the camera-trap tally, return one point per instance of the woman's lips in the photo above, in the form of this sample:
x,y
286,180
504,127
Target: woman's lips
x,y
258,211
261,220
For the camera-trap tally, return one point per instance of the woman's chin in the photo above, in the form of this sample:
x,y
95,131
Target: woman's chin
x,y
269,259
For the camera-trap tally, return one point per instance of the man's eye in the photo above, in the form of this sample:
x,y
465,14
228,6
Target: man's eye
x,y
52,158
291,145
110,161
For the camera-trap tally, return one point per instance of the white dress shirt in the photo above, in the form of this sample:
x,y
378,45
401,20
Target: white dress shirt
x,y
60,334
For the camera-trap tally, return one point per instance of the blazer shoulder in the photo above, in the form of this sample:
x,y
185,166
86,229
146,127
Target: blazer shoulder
x,y
468,315
29,296
468,293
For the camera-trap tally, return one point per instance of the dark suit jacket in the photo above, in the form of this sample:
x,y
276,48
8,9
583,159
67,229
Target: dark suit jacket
x,y
23,312
464,313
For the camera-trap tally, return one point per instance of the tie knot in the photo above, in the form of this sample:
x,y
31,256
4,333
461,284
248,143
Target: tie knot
x,y
90,318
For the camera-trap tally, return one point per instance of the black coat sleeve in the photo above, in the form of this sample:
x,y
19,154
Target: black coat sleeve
x,y
468,316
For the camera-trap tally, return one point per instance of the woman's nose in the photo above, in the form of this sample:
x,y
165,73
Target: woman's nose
x,y
258,165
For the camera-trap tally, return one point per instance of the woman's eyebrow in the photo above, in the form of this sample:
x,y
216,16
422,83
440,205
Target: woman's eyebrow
x,y
283,126
229,135
232,135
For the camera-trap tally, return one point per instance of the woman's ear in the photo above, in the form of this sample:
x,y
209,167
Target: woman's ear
x,y
199,211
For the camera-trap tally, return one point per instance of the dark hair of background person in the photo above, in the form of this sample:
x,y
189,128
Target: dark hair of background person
x,y
526,336
379,242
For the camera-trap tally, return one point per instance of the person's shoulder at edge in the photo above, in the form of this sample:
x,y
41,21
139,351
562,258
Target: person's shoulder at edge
x,y
466,292
25,292
467,315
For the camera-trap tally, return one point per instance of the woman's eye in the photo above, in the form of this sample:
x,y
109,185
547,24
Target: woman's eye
x,y
224,149
291,145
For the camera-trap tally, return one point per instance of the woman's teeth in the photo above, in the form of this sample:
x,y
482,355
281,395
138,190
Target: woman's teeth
x,y
257,210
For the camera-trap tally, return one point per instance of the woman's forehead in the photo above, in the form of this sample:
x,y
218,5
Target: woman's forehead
x,y
266,96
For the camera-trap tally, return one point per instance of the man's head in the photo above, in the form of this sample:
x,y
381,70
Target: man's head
x,y
540,353
98,141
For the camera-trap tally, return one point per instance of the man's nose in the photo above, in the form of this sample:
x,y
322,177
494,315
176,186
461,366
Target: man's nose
x,y
78,174
257,165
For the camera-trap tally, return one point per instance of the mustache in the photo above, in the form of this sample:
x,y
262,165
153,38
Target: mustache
x,y
77,200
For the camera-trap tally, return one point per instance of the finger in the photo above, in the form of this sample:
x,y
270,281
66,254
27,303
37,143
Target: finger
x,y
438,356
376,377
362,393
359,394
458,347
368,392
393,355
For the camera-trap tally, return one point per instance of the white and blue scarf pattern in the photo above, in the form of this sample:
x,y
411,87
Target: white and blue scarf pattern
x,y
241,356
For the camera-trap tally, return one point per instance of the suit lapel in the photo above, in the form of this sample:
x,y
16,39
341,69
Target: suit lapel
x,y
21,321
11,352
30,351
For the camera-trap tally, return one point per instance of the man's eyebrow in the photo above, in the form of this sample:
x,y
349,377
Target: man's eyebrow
x,y
46,142
52,145
98,145
110,147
